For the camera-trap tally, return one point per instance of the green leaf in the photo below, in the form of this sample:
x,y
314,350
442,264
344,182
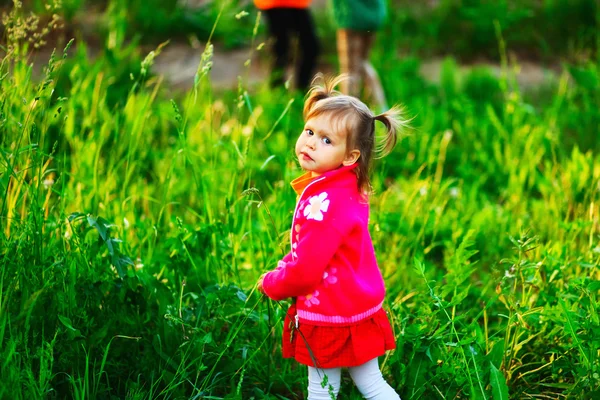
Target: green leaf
x,y
75,215
72,332
121,262
101,228
207,339
498,383
593,286
66,321
242,296
496,353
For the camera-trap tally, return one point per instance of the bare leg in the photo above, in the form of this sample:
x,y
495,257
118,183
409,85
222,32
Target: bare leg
x,y
348,45
373,88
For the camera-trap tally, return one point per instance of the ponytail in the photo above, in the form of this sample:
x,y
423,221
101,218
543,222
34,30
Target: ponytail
x,y
321,88
394,123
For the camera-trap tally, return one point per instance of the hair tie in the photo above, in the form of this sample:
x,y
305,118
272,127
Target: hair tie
x,y
382,117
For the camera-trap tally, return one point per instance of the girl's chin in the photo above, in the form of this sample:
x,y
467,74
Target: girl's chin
x,y
306,165
311,171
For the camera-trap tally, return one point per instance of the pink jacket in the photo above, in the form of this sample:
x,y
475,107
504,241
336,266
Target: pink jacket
x,y
268,4
331,267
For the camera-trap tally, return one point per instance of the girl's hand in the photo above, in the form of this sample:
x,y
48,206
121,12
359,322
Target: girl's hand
x,y
259,284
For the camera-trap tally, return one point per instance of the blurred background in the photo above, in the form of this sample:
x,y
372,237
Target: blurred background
x,y
540,35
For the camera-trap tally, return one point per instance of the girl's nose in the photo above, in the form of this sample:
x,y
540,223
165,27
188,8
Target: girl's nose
x,y
311,142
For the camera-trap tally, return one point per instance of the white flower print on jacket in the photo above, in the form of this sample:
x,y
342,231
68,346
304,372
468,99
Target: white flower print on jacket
x,y
329,239
318,205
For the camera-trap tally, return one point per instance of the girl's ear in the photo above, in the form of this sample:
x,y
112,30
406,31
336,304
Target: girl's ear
x,y
351,157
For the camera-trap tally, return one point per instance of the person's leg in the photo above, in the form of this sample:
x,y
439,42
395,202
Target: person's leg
x,y
349,56
316,380
370,382
373,87
278,23
308,44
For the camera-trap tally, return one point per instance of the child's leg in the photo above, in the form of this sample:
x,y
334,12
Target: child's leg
x,y
316,377
370,382
372,83
278,20
309,47
349,55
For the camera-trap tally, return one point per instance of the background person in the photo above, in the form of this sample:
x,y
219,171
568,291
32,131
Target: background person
x,y
286,19
357,21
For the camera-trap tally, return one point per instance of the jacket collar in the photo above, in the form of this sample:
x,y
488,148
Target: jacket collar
x,y
343,174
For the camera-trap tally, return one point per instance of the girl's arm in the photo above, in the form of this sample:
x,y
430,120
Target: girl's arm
x,y
287,257
300,275
280,265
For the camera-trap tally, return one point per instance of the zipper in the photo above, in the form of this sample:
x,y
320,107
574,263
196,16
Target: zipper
x,y
296,210
293,328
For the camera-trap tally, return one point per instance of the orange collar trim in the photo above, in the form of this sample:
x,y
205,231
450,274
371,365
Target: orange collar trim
x,y
301,182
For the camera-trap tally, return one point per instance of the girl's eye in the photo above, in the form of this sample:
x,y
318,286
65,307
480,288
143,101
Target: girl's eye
x,y
326,141
309,132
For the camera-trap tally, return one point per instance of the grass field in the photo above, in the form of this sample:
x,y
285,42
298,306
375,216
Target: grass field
x,y
134,224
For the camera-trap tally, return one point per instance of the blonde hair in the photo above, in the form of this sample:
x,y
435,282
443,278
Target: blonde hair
x,y
352,116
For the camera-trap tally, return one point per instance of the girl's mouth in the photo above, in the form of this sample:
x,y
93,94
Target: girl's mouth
x,y
306,157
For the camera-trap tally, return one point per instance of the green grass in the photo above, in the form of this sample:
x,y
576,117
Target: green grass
x,y
539,30
134,226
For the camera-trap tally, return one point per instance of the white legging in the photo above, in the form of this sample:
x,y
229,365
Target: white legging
x,y
366,377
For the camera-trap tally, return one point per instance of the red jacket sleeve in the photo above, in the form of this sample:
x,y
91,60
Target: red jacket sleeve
x,y
319,241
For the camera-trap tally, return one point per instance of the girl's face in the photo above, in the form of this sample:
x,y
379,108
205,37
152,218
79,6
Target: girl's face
x,y
321,149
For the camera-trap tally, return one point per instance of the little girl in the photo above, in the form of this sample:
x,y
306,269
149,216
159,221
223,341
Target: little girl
x,y
337,319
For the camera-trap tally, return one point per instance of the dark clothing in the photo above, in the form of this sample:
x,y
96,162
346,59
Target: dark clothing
x,y
283,24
